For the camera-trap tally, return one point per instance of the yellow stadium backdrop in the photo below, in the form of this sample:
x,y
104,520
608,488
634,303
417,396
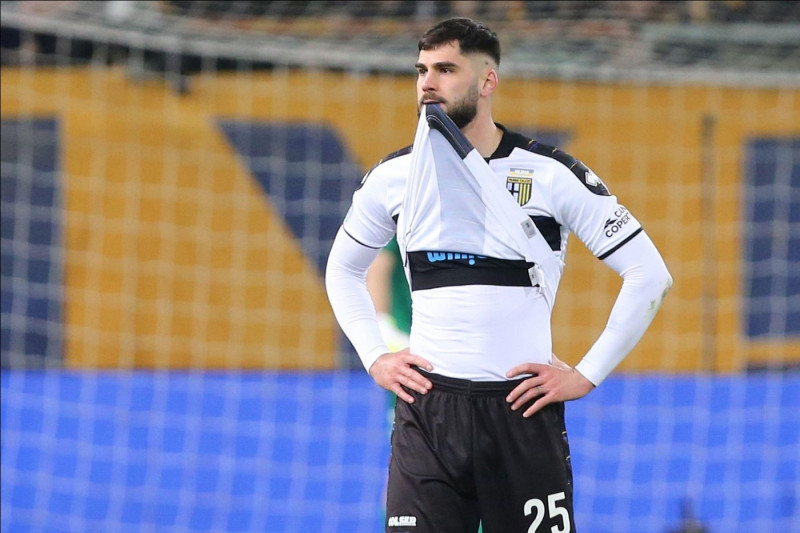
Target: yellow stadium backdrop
x,y
142,164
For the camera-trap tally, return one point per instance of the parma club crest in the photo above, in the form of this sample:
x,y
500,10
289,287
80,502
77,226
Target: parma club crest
x,y
519,183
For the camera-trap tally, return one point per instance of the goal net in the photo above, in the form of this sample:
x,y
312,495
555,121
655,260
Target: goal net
x,y
173,174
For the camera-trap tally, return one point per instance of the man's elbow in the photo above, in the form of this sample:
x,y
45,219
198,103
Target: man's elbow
x,y
666,278
661,281
656,280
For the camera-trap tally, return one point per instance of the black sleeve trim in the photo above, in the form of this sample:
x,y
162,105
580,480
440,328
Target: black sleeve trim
x,y
574,165
359,242
398,153
620,245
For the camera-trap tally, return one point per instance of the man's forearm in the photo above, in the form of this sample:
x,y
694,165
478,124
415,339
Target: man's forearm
x,y
645,282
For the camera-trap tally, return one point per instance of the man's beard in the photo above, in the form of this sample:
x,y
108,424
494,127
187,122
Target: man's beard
x,y
463,111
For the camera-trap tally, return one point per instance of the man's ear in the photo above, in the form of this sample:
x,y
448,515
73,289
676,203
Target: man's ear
x,y
489,82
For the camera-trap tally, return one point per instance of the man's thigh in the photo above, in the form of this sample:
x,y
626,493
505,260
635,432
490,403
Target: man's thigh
x,y
524,477
430,487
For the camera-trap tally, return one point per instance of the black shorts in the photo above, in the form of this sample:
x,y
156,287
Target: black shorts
x,y
461,456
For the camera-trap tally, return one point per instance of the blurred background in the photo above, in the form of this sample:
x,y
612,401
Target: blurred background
x,y
173,174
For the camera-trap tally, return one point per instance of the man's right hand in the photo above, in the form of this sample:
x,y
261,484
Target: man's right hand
x,y
393,371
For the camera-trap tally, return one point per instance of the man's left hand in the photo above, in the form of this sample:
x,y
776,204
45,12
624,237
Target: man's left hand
x,y
557,382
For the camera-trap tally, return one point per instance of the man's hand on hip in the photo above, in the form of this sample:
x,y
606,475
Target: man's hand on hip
x,y
393,371
557,382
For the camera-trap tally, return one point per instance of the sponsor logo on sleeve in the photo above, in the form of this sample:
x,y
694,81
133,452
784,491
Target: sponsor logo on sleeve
x,y
614,224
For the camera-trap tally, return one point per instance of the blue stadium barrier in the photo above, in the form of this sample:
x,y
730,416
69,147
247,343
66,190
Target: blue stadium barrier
x,y
299,452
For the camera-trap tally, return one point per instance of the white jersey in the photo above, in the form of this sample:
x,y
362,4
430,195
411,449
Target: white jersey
x,y
475,317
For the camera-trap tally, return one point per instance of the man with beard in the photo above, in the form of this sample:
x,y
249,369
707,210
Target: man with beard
x,y
479,434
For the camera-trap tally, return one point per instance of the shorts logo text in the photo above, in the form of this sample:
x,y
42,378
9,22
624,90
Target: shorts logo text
x,y
399,521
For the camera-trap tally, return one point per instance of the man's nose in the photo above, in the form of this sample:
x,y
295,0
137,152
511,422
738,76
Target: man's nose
x,y
429,82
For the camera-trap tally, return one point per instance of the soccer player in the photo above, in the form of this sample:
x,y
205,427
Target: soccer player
x,y
479,432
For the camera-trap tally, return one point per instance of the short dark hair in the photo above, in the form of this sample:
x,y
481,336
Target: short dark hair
x,y
472,37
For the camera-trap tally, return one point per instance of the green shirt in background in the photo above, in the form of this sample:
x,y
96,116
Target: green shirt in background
x,y
401,295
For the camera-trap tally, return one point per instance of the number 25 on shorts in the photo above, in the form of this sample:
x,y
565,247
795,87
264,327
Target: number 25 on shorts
x,y
535,506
